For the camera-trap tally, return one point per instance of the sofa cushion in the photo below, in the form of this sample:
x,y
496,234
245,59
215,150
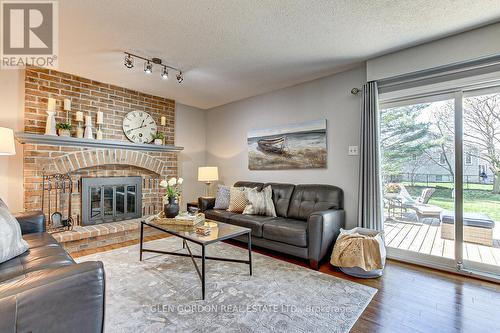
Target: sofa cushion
x,y
12,243
222,198
218,215
237,200
307,199
282,193
259,186
43,253
260,202
254,222
284,230
470,219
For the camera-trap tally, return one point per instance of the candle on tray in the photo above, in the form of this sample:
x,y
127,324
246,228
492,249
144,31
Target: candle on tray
x,y
67,104
100,118
51,104
163,121
79,116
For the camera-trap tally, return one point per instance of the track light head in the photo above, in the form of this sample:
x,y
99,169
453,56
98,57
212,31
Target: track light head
x,y
129,61
148,68
164,73
180,77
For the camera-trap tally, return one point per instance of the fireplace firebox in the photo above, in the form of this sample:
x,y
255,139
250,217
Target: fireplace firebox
x,y
110,199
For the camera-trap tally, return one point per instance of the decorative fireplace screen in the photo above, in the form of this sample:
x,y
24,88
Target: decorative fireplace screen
x,y
110,199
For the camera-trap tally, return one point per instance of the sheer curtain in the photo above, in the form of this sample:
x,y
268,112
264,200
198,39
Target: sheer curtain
x,y
370,194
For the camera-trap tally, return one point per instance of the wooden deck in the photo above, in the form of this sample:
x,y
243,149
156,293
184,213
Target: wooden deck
x,y
425,237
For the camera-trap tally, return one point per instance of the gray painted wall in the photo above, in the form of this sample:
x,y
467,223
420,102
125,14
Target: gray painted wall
x,y
190,134
329,98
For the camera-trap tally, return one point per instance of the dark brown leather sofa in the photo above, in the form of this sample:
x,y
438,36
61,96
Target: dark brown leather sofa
x,y
44,290
309,218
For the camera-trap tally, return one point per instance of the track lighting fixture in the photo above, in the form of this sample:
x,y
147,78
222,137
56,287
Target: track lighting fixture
x,y
129,61
164,73
148,66
180,77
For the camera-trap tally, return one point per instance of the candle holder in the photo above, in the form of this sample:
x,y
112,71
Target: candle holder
x,y
79,130
88,128
50,125
99,132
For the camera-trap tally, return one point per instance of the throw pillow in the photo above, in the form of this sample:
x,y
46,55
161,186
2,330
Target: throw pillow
x,y
222,198
237,199
260,203
12,243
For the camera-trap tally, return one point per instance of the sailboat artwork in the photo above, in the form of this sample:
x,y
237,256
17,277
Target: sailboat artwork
x,y
294,146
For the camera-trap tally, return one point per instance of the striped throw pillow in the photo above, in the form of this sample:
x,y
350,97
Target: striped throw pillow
x,y
260,202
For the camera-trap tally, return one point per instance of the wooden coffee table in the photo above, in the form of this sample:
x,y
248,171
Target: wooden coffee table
x,y
219,232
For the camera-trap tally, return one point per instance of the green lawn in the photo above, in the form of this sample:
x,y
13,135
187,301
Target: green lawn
x,y
478,198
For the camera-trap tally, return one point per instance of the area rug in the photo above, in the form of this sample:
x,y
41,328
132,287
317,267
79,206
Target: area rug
x,y
163,293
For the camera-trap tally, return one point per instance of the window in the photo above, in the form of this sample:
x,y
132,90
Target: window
x,y
442,158
468,158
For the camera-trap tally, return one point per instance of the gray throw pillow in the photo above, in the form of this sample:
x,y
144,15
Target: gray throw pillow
x,y
260,202
12,243
222,197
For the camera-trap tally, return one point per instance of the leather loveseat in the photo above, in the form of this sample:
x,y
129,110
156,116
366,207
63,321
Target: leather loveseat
x,y
309,218
44,290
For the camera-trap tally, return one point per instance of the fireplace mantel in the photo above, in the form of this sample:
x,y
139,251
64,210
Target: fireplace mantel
x,y
40,139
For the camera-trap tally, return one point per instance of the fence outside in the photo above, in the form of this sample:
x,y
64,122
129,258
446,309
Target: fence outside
x,y
430,179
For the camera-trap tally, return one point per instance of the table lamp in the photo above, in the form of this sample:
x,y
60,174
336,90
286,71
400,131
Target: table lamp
x,y
208,175
7,146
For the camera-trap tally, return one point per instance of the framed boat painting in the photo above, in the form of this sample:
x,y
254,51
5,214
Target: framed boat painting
x,y
294,146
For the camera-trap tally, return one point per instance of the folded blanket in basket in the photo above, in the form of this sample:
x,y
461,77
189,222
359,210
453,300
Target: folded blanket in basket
x,y
356,250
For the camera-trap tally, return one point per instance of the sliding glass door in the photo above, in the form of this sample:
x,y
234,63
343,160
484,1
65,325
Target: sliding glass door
x,y
418,172
440,175
481,181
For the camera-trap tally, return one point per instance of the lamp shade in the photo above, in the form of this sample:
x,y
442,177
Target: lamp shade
x,y
7,146
208,174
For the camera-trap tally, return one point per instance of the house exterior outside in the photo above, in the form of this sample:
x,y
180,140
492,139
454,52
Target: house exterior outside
x,y
434,169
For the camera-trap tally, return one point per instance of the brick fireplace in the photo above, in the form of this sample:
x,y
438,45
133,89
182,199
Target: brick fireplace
x,y
115,156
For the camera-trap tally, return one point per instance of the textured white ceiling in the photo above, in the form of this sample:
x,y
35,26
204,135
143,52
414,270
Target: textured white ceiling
x,y
232,49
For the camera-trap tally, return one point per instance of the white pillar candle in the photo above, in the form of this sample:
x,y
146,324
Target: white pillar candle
x,y
51,104
79,116
100,118
88,121
163,121
67,104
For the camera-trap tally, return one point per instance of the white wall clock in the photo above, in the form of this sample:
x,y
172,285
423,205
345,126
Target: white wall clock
x,y
139,127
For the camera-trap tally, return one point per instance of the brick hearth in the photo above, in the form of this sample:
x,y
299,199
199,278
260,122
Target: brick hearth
x,y
87,237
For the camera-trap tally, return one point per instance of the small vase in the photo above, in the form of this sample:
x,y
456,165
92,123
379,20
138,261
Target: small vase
x,y
158,142
171,209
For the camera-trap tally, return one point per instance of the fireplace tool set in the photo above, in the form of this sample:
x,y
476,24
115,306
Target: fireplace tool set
x,y
57,192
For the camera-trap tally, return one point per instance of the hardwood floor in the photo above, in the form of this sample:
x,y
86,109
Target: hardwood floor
x,y
411,298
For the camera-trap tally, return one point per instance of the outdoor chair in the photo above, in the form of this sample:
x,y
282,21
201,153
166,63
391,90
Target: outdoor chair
x,y
419,205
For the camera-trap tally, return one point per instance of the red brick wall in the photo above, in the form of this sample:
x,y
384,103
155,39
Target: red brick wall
x,y
90,97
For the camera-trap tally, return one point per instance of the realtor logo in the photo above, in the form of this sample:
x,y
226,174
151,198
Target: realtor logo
x,y
29,34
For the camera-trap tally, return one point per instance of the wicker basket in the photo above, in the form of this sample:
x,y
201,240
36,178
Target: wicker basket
x,y
477,235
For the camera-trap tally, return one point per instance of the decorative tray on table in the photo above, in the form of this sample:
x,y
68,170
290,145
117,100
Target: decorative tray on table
x,y
183,219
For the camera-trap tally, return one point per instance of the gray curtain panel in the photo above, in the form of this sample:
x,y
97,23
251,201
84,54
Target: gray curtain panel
x,y
370,193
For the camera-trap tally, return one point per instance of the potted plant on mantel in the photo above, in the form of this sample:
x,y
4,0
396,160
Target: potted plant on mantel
x,y
64,129
171,198
158,138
